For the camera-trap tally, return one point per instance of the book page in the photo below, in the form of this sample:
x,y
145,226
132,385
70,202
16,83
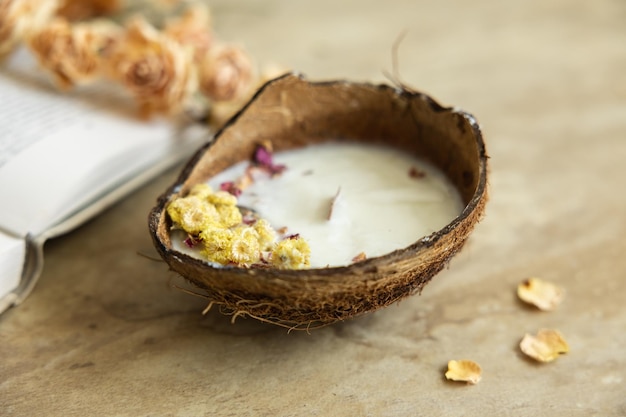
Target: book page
x,y
12,255
59,151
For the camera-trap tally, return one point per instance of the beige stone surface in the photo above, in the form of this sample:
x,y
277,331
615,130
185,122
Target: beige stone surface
x,y
105,333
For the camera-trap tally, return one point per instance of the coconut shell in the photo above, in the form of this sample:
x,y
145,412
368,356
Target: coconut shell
x,y
291,112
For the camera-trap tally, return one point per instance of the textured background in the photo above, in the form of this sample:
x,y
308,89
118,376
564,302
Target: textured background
x,y
105,334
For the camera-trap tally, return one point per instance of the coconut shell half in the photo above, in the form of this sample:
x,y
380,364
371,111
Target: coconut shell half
x,y
291,112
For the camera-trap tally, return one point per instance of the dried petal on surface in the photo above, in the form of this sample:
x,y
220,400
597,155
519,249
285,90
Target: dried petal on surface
x,y
464,371
542,294
545,346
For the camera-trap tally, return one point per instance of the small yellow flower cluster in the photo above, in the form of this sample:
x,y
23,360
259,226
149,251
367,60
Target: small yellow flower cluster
x,y
291,253
214,219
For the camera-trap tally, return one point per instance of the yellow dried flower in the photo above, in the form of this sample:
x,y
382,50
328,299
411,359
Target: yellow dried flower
x,y
542,294
193,214
239,245
153,67
201,190
267,235
214,219
193,28
19,18
291,253
222,198
226,73
218,245
545,346
464,370
72,52
245,248
229,216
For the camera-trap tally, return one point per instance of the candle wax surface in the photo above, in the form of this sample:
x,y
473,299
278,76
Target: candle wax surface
x,y
377,205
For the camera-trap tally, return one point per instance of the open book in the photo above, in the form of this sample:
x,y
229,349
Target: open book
x,y
64,157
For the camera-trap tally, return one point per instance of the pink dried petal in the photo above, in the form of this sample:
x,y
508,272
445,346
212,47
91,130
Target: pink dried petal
x,y
249,219
192,241
277,169
264,159
230,187
262,156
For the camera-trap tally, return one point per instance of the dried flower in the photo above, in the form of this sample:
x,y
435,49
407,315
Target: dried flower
x,y
222,111
267,235
193,214
228,237
245,248
85,9
239,245
201,190
218,245
19,18
464,370
248,215
72,52
542,294
229,215
222,197
192,241
154,68
291,253
545,346
226,73
264,158
231,187
193,29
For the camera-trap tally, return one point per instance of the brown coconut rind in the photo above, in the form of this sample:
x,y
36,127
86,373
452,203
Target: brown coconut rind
x,y
291,113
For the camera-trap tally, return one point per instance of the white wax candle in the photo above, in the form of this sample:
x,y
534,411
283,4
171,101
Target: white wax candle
x,y
380,206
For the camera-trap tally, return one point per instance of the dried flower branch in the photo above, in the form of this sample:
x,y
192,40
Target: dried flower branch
x,y
85,9
192,29
154,68
221,111
226,73
19,18
179,69
72,53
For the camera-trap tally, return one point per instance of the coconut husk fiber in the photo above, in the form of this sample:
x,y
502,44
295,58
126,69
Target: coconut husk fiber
x,y
291,112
